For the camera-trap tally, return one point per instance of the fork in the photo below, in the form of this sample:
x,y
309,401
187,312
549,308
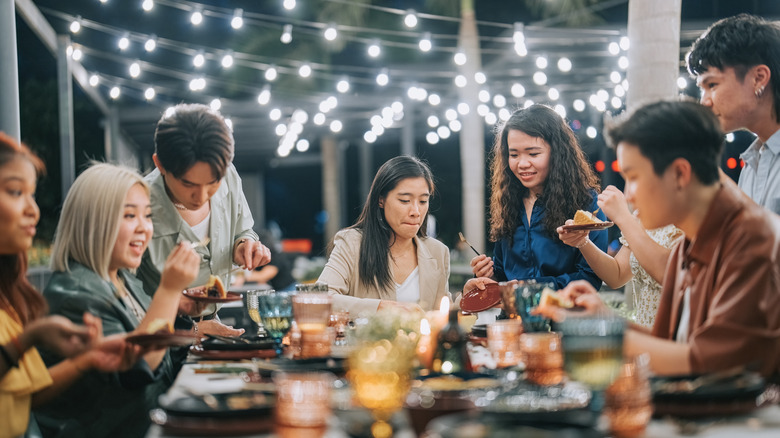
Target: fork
x,y
463,239
203,242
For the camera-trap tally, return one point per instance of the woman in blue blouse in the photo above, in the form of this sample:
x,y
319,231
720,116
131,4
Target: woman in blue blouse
x,y
540,178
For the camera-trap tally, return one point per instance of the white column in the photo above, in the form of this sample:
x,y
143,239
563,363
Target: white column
x,y
9,72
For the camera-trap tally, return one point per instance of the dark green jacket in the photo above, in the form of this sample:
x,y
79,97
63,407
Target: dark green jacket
x,y
102,404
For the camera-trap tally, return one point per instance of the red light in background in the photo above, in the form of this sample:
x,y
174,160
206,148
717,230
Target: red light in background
x,y
731,163
600,166
615,166
741,163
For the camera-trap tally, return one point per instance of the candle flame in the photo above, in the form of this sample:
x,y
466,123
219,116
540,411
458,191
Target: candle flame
x,y
425,327
445,305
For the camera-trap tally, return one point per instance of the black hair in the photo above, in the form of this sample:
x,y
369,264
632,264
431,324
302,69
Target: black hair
x,y
740,42
666,130
191,133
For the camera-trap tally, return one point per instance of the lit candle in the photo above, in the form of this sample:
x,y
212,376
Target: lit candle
x,y
425,346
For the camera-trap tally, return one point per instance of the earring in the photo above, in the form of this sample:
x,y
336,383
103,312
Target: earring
x,y
759,91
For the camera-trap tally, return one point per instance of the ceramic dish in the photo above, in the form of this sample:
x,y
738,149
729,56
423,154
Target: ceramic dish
x,y
202,353
587,227
478,300
219,427
163,340
198,294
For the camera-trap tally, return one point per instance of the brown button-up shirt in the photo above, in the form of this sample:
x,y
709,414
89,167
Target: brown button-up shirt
x,y
732,268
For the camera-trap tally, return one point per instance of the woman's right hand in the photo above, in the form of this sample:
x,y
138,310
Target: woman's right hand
x,y
482,266
58,334
572,238
613,203
180,269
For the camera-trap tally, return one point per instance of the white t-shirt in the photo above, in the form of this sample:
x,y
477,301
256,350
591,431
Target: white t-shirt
x,y
202,229
409,291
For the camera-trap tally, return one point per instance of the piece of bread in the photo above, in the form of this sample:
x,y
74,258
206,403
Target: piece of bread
x,y
582,217
551,298
159,325
215,288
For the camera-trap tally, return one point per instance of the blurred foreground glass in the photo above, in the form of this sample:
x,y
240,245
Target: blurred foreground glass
x,y
312,287
276,311
254,312
379,374
303,399
339,320
628,400
527,296
593,349
503,339
543,358
312,316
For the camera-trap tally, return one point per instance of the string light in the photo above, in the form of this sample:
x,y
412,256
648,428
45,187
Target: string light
x,y
331,33
518,37
463,108
369,137
238,19
265,96
623,62
289,4
615,77
124,42
443,132
455,125
553,94
227,60
147,5
374,50
198,60
425,42
302,145
433,121
286,37
335,126
480,77
682,83
271,74
215,104
382,78
579,105
275,114
460,81
491,118
625,43
459,58
135,69
613,48
77,54
483,96
75,25
410,20
541,62
499,101
432,138
319,119
434,99
198,84
483,109
197,16
94,80
150,43
115,92
149,93
518,90
591,132
540,78
342,86
304,71
564,64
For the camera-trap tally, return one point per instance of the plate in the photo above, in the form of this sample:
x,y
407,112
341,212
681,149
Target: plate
x,y
477,300
334,365
237,343
177,425
481,425
199,351
179,338
687,397
527,403
587,227
227,405
197,294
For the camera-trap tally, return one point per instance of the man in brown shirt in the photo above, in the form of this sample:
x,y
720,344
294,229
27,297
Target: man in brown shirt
x,y
720,303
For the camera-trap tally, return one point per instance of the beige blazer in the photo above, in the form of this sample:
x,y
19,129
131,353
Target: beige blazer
x,y
341,275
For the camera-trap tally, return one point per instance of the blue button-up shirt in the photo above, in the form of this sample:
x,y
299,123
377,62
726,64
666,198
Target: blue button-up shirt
x,y
760,178
534,254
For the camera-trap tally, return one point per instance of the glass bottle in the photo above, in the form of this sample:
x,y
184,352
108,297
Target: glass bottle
x,y
452,354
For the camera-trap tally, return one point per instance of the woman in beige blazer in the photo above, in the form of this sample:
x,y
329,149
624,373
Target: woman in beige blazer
x,y
386,259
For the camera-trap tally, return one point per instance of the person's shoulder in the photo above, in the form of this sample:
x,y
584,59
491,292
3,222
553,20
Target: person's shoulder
x,y
349,235
433,243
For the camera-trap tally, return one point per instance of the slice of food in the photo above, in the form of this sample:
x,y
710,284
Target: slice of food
x,y
215,288
159,325
582,217
551,298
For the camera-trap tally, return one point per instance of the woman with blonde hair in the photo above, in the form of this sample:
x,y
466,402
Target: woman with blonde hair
x,y
104,229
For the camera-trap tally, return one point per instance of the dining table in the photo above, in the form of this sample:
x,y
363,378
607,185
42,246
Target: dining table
x,y
207,378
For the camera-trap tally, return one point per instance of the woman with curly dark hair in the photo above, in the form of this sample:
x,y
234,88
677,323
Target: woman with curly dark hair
x,y
540,178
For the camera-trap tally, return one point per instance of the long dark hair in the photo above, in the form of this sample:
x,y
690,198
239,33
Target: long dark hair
x,y
569,185
17,295
374,263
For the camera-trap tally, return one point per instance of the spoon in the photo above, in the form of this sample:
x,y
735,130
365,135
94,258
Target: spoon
x,y
203,242
463,239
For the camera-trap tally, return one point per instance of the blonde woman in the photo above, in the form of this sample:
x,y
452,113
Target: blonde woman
x,y
103,232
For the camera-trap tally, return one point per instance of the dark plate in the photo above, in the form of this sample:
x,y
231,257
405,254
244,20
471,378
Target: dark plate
x,y
230,405
198,350
196,293
587,227
482,425
238,343
332,364
163,340
477,300
189,426
680,397
527,403
479,330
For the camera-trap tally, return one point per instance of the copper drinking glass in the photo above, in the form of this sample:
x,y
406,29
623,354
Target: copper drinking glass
x,y
312,316
503,339
303,399
543,357
628,400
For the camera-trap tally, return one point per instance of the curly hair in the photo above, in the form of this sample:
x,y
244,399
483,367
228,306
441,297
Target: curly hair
x,y
569,185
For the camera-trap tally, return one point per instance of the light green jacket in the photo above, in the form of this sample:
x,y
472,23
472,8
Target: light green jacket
x,y
231,220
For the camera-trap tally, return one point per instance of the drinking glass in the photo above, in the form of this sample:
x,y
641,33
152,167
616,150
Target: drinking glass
x,y
303,399
312,315
593,349
628,400
503,339
543,358
276,311
254,312
311,287
527,296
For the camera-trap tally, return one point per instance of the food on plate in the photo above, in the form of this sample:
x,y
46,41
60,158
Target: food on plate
x,y
551,298
583,217
215,288
160,326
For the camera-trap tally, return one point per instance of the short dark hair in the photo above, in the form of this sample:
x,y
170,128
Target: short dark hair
x,y
191,133
374,261
666,130
740,42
